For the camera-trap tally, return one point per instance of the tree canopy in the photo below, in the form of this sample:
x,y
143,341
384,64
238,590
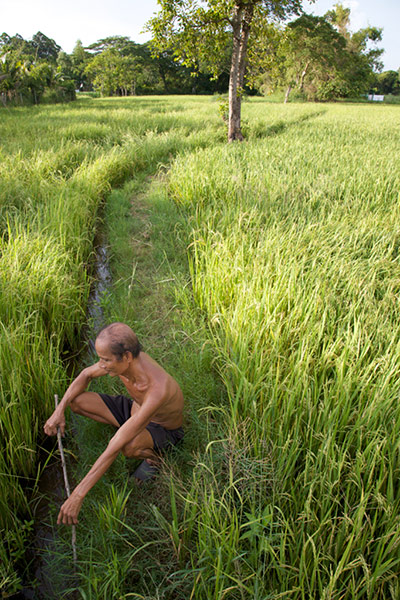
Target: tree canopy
x,y
29,70
198,33
320,57
207,46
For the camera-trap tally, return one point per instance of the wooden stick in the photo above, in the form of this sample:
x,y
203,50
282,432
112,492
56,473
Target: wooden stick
x,y
67,488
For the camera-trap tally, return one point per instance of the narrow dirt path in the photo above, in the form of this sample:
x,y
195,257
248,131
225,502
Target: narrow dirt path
x,y
147,239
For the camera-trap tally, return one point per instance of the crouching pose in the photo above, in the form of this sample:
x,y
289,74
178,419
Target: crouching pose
x,y
147,421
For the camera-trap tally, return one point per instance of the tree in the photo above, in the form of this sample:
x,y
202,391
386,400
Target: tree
x,y
41,76
387,82
44,48
320,56
64,63
309,50
112,73
199,32
80,59
14,78
27,76
339,17
362,52
15,43
117,42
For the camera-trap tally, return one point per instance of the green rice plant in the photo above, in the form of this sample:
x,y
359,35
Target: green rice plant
x,y
54,175
226,522
294,262
111,514
293,254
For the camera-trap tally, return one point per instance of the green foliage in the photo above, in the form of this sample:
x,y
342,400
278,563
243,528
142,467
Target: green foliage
x,y
339,17
387,82
286,484
111,72
79,59
318,57
121,44
200,34
28,70
44,48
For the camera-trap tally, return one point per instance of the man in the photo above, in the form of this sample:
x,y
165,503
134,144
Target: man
x,y
147,422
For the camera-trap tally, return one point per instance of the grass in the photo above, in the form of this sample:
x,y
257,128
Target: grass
x,y
287,484
295,265
55,174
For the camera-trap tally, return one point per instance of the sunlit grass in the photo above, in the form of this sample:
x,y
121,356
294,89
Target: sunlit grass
x,y
294,270
57,166
295,263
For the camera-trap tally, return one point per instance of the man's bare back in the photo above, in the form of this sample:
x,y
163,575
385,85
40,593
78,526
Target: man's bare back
x,y
154,412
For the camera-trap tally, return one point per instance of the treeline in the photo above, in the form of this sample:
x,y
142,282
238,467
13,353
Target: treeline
x,y
39,70
320,59
317,58
30,72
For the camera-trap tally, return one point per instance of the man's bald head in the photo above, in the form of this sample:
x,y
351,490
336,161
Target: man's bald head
x,y
120,339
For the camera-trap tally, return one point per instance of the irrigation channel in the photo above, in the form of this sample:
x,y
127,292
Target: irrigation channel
x,y
49,577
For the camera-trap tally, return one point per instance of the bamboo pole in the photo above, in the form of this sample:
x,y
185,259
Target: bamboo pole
x,y
67,488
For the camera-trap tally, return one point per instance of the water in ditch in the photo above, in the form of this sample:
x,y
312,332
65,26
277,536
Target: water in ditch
x,y
49,575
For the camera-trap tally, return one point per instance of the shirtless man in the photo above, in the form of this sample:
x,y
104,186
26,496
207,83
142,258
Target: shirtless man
x,y
147,422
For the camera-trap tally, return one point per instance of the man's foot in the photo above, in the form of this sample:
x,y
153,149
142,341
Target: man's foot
x,y
145,471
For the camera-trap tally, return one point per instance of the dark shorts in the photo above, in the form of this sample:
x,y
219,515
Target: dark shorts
x,y
120,406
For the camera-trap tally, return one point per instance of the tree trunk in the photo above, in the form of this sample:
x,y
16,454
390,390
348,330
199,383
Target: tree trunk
x,y
244,38
163,78
289,89
302,76
234,132
241,31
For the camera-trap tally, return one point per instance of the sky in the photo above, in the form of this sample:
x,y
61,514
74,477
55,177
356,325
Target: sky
x,y
90,20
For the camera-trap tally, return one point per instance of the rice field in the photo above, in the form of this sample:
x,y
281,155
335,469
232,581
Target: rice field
x,y
57,165
295,263
294,275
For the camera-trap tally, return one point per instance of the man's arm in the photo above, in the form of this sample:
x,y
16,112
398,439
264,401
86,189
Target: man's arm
x,y
126,433
79,385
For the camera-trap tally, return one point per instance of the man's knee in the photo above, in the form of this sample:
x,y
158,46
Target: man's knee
x,y
76,404
132,450
136,450
140,447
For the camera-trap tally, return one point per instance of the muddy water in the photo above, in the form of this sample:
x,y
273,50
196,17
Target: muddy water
x,y
48,578
50,575
101,284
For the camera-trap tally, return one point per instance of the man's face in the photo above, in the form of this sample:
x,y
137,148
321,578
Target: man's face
x,y
108,361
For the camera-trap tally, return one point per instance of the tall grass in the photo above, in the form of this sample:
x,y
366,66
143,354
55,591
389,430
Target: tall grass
x,y
295,264
57,165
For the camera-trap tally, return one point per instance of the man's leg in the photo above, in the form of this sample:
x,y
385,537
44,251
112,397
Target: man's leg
x,y
143,447
91,405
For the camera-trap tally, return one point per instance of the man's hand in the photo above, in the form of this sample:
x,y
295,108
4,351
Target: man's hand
x,y
57,420
69,511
